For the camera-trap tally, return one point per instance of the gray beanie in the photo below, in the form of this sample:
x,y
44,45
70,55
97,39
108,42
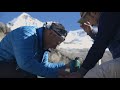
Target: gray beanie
x,y
57,27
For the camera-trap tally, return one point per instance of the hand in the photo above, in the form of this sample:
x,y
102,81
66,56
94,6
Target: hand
x,y
87,27
67,65
62,73
65,74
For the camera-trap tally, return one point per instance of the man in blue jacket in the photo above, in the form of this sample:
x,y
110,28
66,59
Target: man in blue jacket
x,y
28,46
108,36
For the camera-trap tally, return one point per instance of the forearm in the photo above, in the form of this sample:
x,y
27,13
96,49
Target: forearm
x,y
50,65
48,70
93,56
54,68
82,71
44,69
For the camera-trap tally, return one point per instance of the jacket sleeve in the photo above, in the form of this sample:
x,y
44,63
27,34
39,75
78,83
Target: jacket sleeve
x,y
23,42
107,29
93,33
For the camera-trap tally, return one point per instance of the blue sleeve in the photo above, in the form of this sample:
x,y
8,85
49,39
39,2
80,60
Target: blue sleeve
x,y
50,65
23,42
107,29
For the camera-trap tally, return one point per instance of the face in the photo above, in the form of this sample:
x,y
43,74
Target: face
x,y
51,39
92,17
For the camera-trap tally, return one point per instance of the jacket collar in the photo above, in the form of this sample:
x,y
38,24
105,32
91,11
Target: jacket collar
x,y
40,37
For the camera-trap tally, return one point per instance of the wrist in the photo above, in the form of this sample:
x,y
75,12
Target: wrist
x,y
90,31
67,67
82,71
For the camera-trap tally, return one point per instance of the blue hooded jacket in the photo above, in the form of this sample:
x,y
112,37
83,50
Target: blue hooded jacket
x,y
24,45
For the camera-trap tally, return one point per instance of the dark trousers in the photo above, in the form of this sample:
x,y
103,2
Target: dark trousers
x,y
8,70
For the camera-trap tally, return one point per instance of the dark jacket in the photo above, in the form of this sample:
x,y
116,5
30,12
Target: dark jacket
x,y
108,36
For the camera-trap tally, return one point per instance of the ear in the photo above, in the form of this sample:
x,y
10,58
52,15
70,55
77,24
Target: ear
x,y
48,34
47,38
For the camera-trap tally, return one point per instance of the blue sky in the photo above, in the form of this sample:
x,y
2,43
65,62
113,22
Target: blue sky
x,y
68,19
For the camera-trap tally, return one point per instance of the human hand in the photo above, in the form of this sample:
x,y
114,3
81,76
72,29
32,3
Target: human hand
x,y
87,27
63,74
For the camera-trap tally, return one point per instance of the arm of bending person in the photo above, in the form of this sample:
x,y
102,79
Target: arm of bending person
x,y
23,46
108,27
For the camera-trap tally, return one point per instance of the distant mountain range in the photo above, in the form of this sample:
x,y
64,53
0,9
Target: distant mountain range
x,y
76,39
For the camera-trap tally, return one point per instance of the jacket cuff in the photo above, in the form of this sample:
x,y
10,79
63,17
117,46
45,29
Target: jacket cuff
x,y
82,71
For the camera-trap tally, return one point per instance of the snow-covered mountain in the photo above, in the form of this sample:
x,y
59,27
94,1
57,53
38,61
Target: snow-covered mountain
x,y
24,20
76,39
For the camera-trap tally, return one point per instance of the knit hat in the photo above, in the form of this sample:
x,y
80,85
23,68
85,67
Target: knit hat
x,y
57,27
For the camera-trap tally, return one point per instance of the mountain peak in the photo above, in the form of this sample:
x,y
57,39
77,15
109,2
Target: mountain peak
x,y
24,15
24,19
